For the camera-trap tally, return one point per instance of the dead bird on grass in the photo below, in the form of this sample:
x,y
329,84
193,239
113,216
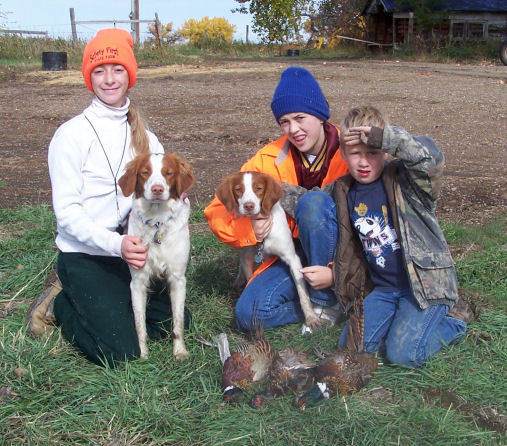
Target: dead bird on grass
x,y
344,371
341,372
291,373
249,363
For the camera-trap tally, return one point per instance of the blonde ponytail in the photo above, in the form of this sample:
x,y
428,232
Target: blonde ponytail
x,y
139,142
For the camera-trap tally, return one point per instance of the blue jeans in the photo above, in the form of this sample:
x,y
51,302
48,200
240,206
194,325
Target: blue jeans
x,y
411,335
271,298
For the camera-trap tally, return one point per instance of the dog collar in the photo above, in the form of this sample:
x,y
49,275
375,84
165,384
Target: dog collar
x,y
157,237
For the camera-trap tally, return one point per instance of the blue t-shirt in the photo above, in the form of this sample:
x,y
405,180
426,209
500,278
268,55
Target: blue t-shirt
x,y
371,218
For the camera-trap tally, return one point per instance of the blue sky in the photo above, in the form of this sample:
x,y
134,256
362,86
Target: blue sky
x,y
54,16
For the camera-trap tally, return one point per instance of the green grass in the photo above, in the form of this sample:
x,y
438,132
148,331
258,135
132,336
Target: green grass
x,y
484,267
61,398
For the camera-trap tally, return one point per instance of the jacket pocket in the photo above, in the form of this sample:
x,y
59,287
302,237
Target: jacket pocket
x,y
436,277
434,260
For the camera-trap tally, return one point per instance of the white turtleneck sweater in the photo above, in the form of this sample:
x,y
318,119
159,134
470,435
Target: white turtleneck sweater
x,y
84,198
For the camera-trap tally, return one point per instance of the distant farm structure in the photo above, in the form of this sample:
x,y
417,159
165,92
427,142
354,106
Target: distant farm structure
x,y
391,21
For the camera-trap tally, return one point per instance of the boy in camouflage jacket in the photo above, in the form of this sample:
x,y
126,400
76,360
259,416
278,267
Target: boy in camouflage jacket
x,y
391,248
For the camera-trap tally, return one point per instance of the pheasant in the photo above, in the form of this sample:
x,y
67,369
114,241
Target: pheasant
x,y
249,363
344,371
291,372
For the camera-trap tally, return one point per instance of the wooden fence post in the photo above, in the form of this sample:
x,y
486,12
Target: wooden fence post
x,y
73,26
157,31
136,25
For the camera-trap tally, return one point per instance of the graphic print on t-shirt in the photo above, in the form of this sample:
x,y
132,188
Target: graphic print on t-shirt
x,y
378,238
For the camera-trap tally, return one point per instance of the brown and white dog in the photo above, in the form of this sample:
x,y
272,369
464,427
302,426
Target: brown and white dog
x,y
159,216
247,194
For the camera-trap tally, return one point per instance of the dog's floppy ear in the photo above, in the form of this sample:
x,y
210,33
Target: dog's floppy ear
x,y
185,176
273,192
127,182
225,192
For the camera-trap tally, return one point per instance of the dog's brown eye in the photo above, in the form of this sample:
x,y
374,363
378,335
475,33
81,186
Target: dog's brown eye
x,y
145,172
169,173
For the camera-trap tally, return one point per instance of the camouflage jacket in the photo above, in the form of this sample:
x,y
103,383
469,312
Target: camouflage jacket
x,y
412,183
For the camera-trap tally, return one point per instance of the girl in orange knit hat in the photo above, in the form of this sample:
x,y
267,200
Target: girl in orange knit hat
x,y
87,155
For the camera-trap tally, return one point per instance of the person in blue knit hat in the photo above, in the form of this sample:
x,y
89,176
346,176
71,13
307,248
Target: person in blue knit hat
x,y
306,155
298,90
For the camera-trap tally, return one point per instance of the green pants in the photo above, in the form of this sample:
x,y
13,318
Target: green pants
x,y
95,311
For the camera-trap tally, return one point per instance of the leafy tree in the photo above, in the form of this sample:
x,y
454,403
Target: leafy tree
x,y
217,29
334,18
276,21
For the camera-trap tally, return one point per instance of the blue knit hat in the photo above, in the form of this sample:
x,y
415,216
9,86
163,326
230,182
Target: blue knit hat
x,y
298,91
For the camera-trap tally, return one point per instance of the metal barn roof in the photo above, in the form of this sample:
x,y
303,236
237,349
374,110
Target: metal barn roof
x,y
451,5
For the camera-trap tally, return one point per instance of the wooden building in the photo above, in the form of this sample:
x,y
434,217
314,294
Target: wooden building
x,y
393,21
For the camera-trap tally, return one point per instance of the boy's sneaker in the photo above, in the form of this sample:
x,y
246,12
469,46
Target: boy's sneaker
x,y
40,317
333,314
464,309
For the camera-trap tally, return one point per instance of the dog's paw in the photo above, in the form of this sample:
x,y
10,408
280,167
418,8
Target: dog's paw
x,y
181,355
313,322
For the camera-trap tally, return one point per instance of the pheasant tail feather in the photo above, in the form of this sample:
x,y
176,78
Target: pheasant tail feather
x,y
355,334
223,347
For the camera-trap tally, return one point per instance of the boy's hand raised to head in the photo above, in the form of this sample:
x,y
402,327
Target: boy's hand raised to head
x,y
356,135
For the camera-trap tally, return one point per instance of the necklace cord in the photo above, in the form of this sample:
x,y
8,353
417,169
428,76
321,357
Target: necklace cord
x,y
109,164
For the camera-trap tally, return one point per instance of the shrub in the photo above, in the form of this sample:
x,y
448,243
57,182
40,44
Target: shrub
x,y
208,32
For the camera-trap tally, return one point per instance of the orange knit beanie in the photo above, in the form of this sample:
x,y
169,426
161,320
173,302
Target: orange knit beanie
x,y
112,45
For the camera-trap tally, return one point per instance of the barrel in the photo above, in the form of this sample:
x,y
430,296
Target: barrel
x,y
292,52
54,60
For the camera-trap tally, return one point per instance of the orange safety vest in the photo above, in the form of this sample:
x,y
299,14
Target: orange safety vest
x,y
275,159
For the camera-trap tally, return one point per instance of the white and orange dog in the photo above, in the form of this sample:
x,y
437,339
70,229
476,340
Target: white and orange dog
x,y
160,217
247,194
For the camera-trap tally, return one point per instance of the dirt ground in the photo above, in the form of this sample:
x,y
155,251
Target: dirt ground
x,y
216,116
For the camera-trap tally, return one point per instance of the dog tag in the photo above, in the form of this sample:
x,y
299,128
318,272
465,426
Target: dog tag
x,y
259,257
157,238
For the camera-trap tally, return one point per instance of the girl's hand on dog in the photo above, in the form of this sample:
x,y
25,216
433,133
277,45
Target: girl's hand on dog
x,y
261,225
133,251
